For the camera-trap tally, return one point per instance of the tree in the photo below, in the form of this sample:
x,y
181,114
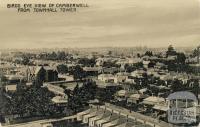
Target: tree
x,y
3,78
30,102
78,73
87,62
40,77
151,64
109,64
171,66
181,58
62,69
81,95
138,65
74,101
171,51
21,85
61,55
195,52
52,56
195,88
106,94
25,60
129,68
148,53
88,90
177,85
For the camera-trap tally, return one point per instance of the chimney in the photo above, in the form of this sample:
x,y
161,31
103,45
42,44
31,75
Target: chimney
x,y
111,113
119,114
127,118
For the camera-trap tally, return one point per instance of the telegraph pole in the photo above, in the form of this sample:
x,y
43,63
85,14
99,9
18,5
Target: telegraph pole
x,y
198,61
198,56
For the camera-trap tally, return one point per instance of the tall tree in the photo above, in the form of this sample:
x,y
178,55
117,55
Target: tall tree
x,y
181,58
81,95
62,68
78,73
171,51
148,53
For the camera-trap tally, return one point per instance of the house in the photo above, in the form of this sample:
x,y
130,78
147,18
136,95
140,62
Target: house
x,y
71,66
47,125
138,73
122,95
55,89
29,84
60,101
104,119
111,115
86,117
143,91
163,76
14,78
134,60
66,77
100,61
145,63
136,98
170,58
100,115
161,108
107,78
58,87
129,61
122,77
160,65
92,71
129,80
110,70
81,114
11,88
42,73
195,68
51,74
153,100
120,120
151,71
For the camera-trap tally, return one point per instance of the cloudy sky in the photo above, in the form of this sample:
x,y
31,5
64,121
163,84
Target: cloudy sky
x,y
152,23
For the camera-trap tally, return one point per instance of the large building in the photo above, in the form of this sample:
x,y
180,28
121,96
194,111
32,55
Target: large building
x,y
42,73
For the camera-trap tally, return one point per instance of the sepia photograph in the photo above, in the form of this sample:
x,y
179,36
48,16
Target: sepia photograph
x,y
100,63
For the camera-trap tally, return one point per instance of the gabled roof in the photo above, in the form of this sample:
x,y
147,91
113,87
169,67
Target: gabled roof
x,y
121,92
105,75
37,69
152,100
11,87
137,96
161,107
59,100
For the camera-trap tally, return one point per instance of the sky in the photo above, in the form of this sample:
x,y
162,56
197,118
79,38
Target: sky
x,y
106,23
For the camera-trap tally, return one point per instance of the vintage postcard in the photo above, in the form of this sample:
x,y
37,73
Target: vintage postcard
x,y
99,63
